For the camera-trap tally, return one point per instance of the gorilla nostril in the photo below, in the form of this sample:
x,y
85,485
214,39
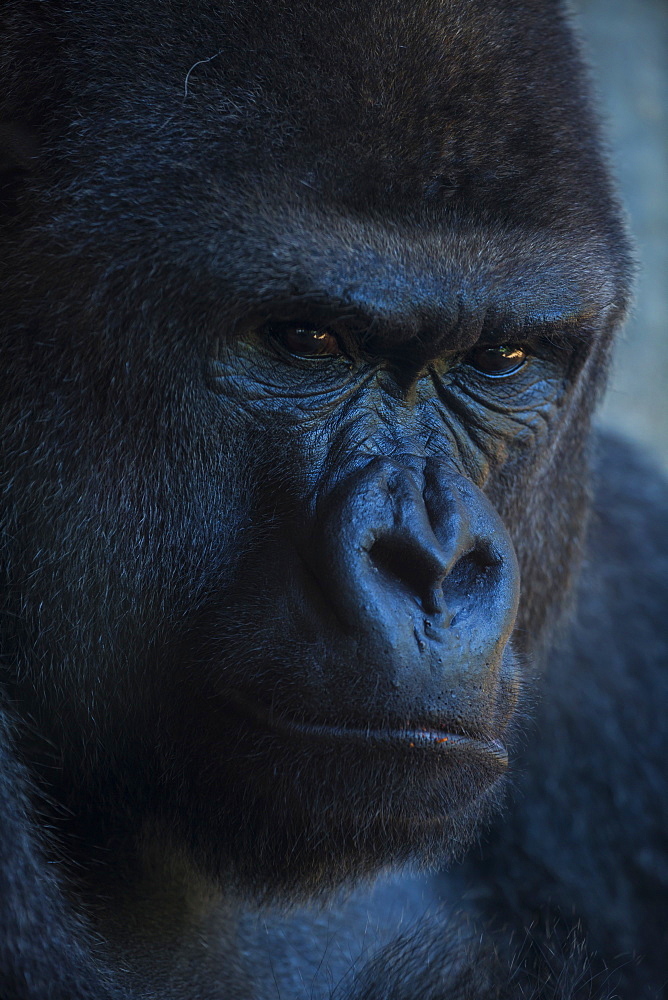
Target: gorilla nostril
x,y
392,557
478,565
417,568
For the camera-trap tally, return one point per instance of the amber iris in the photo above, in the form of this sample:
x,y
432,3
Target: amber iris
x,y
305,341
499,361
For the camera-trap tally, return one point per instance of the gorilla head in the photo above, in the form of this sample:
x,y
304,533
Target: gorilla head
x,y
306,309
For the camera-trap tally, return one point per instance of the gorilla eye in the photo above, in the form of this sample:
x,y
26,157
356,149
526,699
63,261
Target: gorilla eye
x,y
497,362
305,341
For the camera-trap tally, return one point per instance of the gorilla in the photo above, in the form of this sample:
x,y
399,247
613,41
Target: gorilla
x,y
332,636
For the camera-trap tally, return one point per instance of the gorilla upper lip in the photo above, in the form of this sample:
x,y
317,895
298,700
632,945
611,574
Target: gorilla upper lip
x,y
408,737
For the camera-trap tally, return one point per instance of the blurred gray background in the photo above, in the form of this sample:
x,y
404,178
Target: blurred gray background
x,y
627,44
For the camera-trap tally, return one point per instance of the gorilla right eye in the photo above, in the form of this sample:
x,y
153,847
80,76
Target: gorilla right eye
x,y
304,341
498,361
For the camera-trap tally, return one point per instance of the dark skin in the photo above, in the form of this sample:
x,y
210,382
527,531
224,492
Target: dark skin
x,y
306,314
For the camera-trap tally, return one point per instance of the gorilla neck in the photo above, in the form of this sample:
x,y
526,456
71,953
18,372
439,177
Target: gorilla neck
x,y
174,931
177,935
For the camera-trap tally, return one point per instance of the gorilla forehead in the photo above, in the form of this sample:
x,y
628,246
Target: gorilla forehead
x,y
262,155
396,107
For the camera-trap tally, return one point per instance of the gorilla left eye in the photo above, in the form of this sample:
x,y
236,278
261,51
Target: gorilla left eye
x,y
305,341
497,362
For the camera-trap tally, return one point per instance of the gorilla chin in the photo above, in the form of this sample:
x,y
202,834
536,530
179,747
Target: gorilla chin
x,y
323,805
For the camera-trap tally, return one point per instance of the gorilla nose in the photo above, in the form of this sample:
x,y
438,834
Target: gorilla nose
x,y
418,568
397,541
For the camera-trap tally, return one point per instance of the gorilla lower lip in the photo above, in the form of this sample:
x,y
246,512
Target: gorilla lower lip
x,y
431,739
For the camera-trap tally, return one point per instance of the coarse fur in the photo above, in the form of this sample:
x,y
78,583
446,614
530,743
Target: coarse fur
x,y
249,594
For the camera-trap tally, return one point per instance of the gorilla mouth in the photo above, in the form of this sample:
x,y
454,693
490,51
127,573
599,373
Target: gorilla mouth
x,y
411,738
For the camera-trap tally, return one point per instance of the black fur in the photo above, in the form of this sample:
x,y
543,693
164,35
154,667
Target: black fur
x,y
211,548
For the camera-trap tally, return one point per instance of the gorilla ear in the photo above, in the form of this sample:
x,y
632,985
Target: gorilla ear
x,y
18,151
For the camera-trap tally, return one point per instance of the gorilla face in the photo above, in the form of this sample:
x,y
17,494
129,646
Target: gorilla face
x,y
293,399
